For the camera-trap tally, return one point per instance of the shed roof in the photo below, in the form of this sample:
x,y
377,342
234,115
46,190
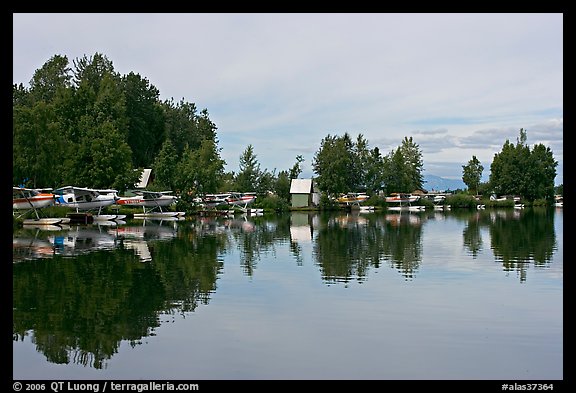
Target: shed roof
x,y
301,186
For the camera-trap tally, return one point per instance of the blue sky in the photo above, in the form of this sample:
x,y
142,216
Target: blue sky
x,y
459,84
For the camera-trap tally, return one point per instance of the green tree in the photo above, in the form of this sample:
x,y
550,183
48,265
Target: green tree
x,y
360,163
103,160
65,109
182,125
374,171
402,168
164,167
282,185
200,171
145,126
51,79
394,173
296,169
518,170
472,173
249,174
333,164
414,164
36,137
38,125
90,71
543,173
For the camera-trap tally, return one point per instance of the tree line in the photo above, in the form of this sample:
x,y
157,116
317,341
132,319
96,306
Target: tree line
x,y
85,124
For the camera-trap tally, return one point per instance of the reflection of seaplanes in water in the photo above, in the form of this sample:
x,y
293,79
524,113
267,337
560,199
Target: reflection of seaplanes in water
x,y
350,220
242,223
80,239
403,201
154,203
88,199
403,219
31,244
136,237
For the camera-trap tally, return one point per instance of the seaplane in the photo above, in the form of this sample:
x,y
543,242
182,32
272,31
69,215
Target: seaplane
x,y
154,203
403,198
26,200
242,200
210,201
88,199
352,198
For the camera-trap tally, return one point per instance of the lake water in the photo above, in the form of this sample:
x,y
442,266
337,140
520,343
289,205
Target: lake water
x,y
458,295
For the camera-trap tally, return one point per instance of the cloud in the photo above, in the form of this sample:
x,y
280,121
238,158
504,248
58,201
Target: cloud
x,y
459,84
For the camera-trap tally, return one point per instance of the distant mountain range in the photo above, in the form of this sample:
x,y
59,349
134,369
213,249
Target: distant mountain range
x,y
437,183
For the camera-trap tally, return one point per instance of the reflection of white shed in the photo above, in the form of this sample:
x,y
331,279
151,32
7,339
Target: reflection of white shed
x,y
300,227
303,193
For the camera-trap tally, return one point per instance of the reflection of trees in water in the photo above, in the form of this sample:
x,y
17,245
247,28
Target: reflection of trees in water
x,y
257,236
403,244
81,309
518,237
523,237
471,235
347,246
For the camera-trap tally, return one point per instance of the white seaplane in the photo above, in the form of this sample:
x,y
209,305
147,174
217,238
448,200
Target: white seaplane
x,y
26,200
154,204
88,199
242,200
404,201
211,201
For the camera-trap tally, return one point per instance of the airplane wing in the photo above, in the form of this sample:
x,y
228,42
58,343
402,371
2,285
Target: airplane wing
x,y
106,191
78,191
152,194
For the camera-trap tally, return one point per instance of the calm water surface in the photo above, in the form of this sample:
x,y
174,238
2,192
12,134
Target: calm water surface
x,y
411,296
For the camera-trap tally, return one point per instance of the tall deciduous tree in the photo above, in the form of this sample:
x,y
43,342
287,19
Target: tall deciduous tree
x,y
36,137
103,160
200,171
164,167
518,170
472,173
402,168
145,126
334,165
51,79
